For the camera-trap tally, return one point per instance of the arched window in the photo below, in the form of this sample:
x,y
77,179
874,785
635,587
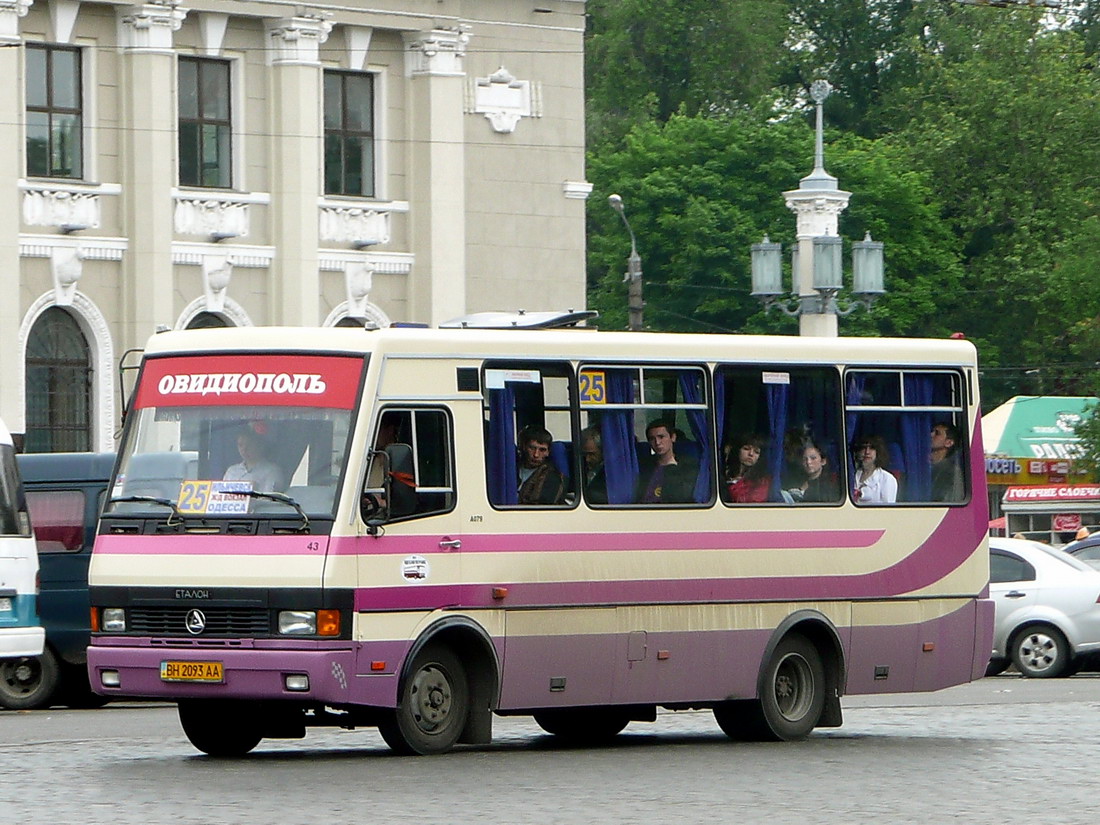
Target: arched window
x,y
207,320
59,385
348,321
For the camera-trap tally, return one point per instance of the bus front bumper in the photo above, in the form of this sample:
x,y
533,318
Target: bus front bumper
x,y
21,641
324,674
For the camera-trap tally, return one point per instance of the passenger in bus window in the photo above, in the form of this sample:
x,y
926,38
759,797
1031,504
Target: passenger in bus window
x,y
821,484
539,481
595,479
747,480
665,479
874,483
254,465
947,477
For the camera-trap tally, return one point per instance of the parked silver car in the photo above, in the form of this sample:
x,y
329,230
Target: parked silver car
x,y
1048,608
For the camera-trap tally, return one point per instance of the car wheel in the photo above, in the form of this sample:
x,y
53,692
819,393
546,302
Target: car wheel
x,y
220,728
583,726
433,706
1040,652
29,681
792,700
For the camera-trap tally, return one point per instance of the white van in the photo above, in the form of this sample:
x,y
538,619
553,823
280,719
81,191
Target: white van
x,y
21,634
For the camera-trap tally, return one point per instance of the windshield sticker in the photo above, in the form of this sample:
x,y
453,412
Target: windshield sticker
x,y
415,569
214,498
239,380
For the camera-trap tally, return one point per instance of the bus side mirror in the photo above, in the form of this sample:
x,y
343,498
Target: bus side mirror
x,y
400,481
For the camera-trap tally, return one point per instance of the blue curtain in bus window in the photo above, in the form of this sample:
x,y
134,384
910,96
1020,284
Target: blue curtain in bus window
x,y
697,422
915,438
778,396
501,458
620,460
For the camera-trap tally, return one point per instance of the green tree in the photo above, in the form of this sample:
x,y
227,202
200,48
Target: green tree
x,y
648,59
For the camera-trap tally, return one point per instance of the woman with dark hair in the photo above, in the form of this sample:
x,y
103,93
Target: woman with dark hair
x,y
747,480
873,483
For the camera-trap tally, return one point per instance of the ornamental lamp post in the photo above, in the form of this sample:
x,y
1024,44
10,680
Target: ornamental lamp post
x,y
817,274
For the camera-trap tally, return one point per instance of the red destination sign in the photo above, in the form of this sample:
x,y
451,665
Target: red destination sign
x,y
250,380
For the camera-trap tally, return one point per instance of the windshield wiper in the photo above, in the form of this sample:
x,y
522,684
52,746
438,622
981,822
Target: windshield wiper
x,y
282,497
164,502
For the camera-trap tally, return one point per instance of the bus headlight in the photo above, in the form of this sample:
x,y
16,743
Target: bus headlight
x,y
309,622
114,620
298,622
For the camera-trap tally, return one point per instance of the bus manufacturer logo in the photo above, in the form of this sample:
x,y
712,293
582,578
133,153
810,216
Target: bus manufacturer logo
x,y
195,622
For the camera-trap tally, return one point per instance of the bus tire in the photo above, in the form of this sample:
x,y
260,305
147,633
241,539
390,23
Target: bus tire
x,y
791,701
433,705
222,729
583,726
1040,651
29,681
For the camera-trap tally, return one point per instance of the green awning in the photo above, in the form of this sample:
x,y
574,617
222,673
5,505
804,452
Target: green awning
x,y
1035,426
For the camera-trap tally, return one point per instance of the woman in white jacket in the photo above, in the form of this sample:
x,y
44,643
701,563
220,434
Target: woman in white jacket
x,y
874,484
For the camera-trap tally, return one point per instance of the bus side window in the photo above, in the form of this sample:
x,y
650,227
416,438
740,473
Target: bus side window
x,y
415,447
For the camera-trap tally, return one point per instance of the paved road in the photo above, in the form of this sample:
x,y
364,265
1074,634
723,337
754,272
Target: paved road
x,y
1003,750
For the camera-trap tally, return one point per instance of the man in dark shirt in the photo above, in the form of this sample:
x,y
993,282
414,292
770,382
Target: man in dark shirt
x,y
664,479
539,480
947,478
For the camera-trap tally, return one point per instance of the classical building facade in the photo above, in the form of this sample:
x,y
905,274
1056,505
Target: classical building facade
x,y
265,162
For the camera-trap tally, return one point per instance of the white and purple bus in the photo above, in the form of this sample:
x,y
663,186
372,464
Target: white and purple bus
x,y
338,527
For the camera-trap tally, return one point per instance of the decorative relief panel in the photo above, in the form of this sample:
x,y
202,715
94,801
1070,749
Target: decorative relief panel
x,y
61,208
220,219
355,225
503,99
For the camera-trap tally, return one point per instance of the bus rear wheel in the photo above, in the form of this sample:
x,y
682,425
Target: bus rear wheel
x,y
222,729
433,706
583,726
792,698
29,681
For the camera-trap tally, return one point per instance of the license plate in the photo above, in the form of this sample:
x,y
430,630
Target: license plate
x,y
192,672
5,605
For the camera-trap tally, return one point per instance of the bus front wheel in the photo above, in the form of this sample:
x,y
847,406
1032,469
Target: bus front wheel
x,y
791,701
29,681
433,705
220,728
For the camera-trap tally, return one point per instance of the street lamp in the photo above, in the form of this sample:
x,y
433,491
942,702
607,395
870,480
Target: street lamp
x,y
633,275
816,260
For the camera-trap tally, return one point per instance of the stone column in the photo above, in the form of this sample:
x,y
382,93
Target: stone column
x,y
11,170
437,173
297,135
147,80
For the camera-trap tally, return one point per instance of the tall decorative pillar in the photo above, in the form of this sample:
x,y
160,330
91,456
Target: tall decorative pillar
x,y
437,172
11,115
817,204
148,165
293,52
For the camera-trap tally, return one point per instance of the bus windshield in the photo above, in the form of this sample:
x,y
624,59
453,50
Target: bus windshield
x,y
207,443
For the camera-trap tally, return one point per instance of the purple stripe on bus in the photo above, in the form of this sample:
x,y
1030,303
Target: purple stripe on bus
x,y
951,544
